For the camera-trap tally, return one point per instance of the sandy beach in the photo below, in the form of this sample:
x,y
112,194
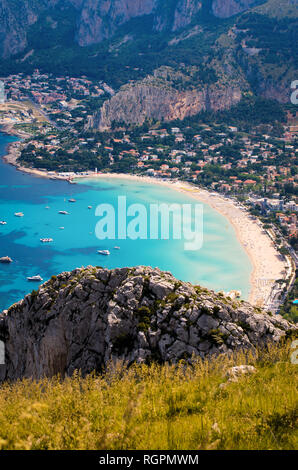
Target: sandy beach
x,y
13,153
268,264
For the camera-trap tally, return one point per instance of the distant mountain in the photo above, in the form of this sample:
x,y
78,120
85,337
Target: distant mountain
x,y
167,59
96,20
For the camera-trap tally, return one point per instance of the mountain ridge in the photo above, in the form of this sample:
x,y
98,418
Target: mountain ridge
x,y
97,20
210,46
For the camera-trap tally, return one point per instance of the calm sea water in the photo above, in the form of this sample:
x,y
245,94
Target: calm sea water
x,y
221,264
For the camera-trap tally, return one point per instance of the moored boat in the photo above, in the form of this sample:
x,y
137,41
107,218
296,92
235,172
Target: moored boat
x,y
37,278
104,252
5,260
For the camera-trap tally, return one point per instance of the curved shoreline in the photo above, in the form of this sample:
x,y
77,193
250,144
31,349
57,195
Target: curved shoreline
x,y
267,265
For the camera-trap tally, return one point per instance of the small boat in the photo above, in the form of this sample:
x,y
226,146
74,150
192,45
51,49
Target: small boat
x,y
5,260
72,200
46,240
61,228
104,252
47,207
64,212
116,247
89,207
2,222
35,278
19,214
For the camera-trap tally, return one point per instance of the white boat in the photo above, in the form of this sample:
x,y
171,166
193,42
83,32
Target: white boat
x,y
104,252
46,240
19,214
89,207
64,212
72,200
5,260
35,278
116,247
2,222
61,228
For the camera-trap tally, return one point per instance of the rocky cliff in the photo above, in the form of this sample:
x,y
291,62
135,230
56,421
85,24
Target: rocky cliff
x,y
157,98
16,17
148,100
226,9
86,318
100,19
97,20
13,26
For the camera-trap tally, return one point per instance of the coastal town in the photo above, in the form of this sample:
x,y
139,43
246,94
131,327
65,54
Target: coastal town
x,y
253,165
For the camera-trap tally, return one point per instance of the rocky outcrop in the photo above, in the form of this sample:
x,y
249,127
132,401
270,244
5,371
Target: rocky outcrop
x,y
17,17
156,98
97,20
13,26
177,15
100,19
86,318
228,8
185,12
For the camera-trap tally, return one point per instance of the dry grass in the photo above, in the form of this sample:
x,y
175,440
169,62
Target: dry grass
x,y
157,407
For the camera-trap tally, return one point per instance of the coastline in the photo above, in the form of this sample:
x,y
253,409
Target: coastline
x,y
267,265
12,153
12,150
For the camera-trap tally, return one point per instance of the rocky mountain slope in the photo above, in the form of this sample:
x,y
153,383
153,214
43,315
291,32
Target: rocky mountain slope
x,y
157,98
85,318
216,51
96,20
224,9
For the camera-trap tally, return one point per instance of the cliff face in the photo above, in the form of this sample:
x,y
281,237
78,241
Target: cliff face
x,y
16,17
156,98
99,19
148,100
13,25
177,15
226,9
84,319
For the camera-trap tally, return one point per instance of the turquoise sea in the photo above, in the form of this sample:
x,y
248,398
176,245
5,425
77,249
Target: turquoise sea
x,y
221,263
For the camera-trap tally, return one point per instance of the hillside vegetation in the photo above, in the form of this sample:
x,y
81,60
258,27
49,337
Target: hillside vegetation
x,y
158,407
